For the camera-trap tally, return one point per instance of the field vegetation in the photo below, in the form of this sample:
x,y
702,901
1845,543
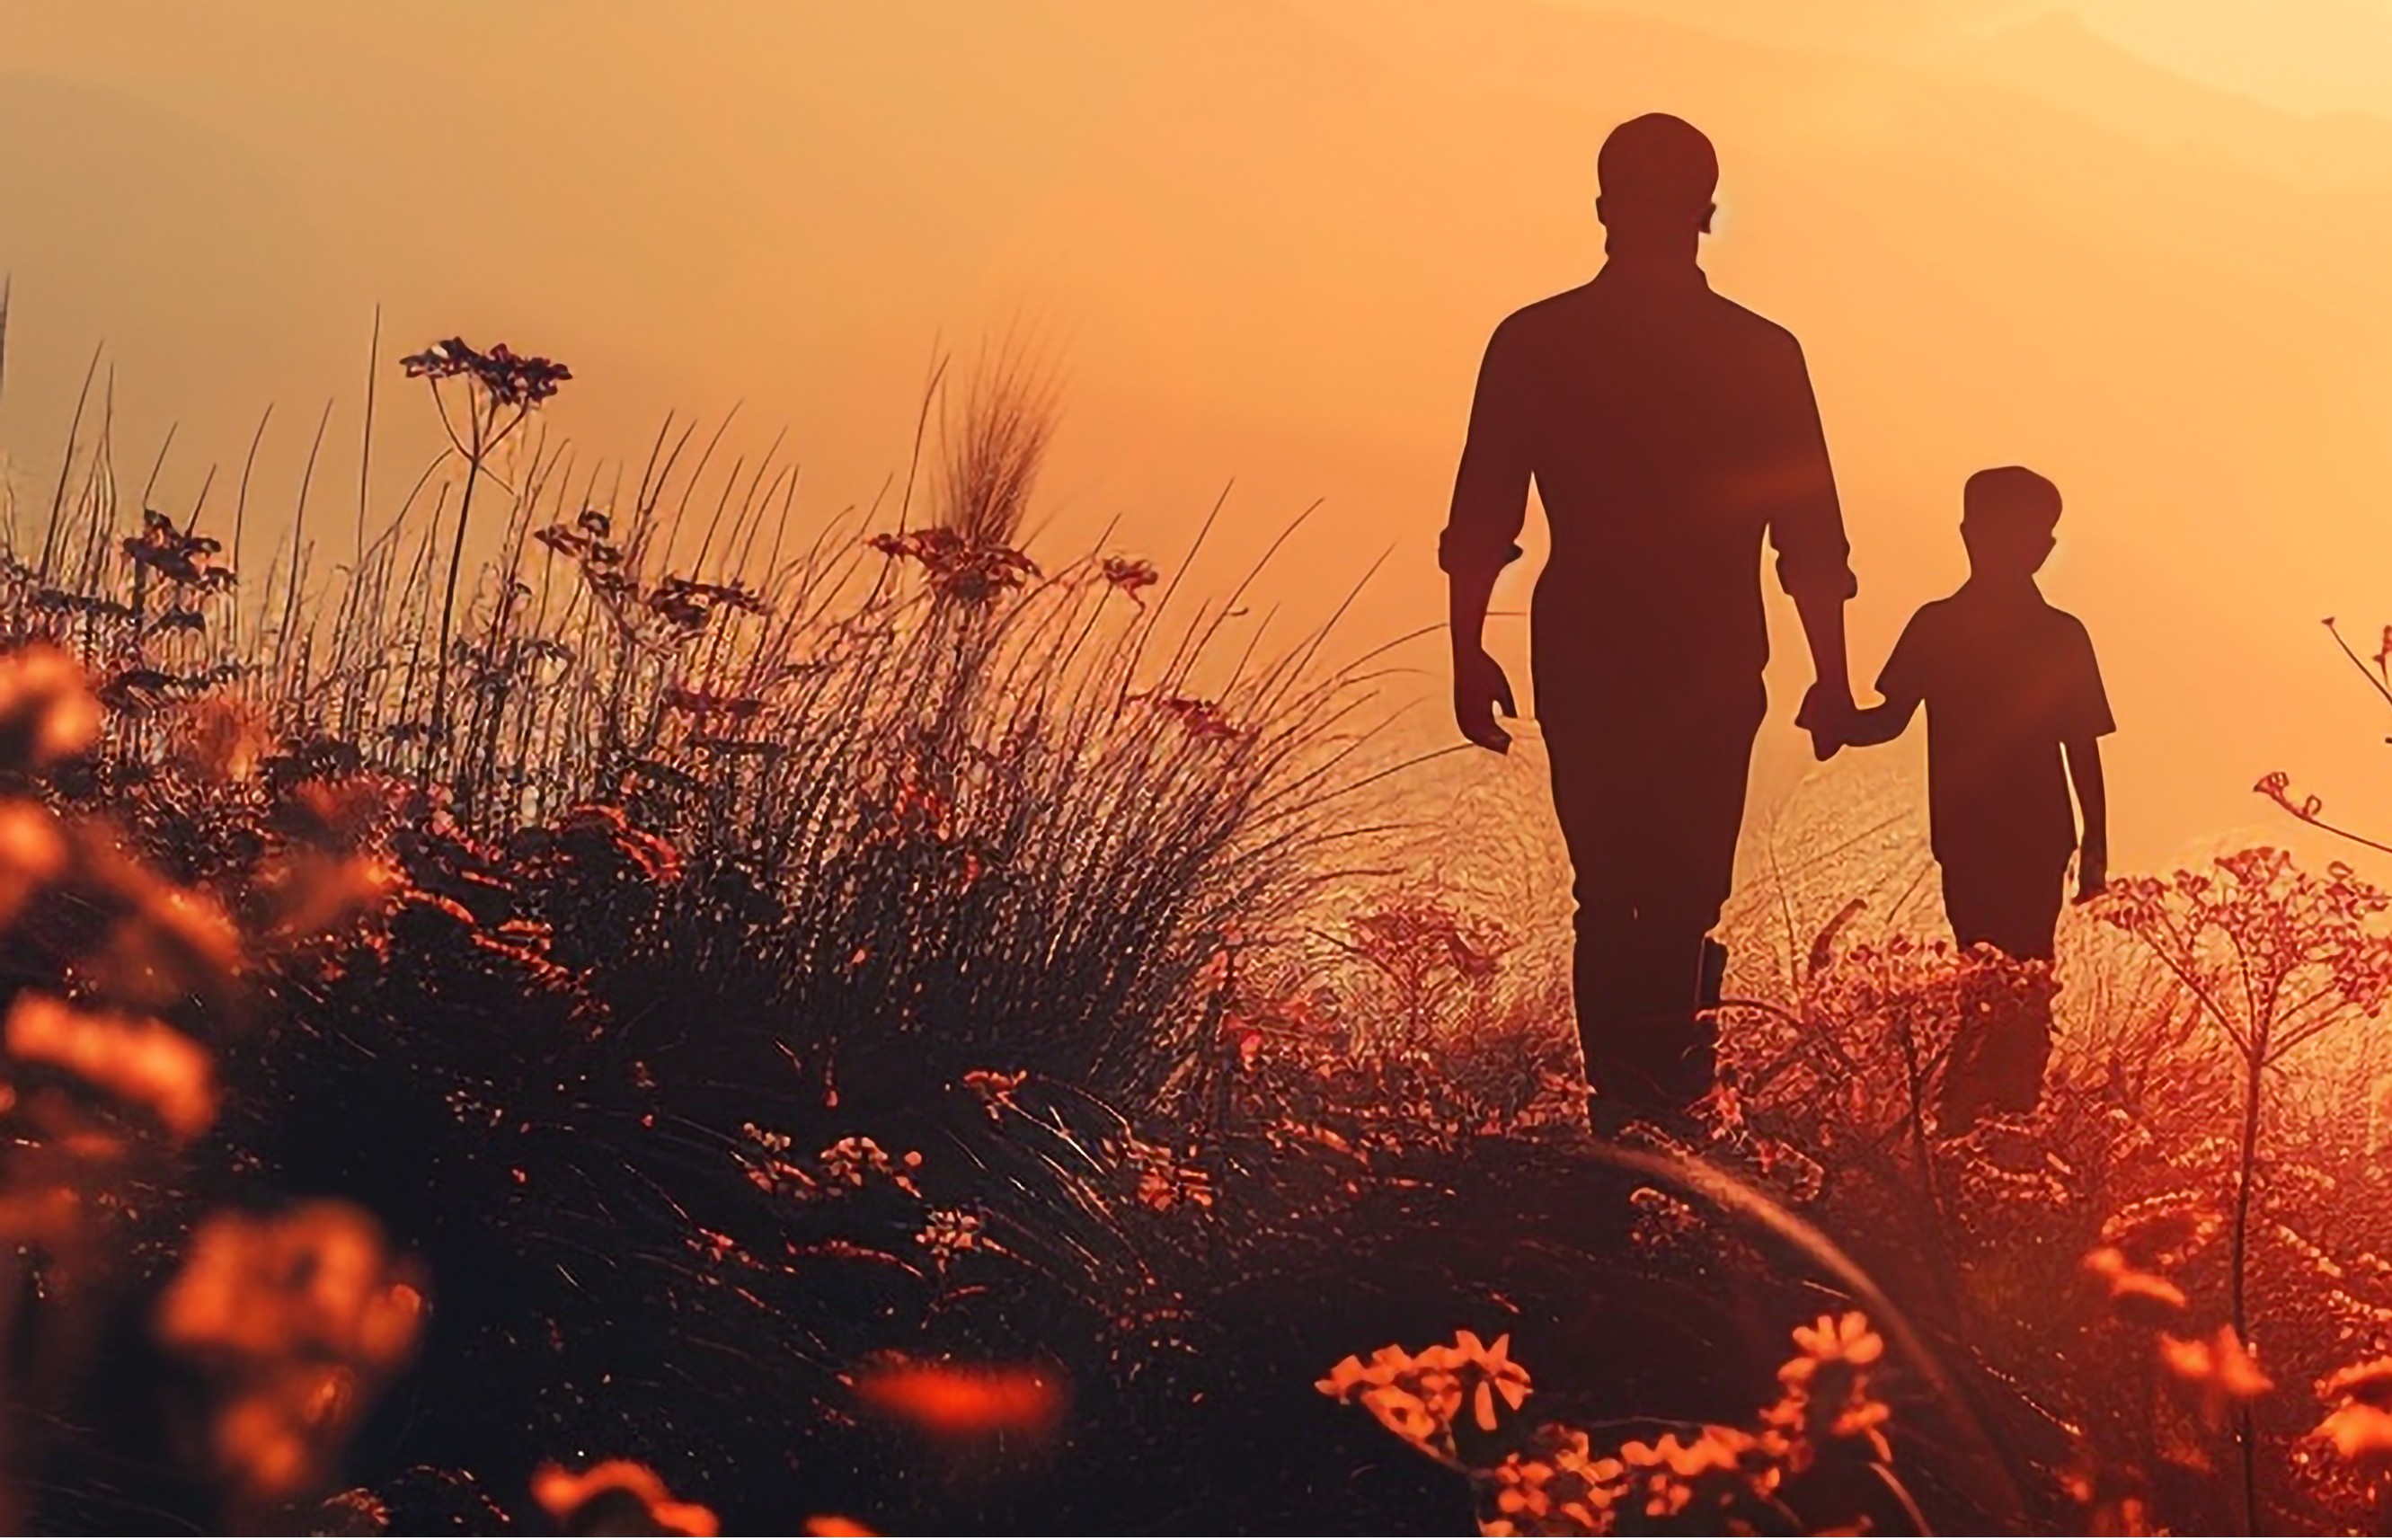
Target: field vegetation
x,y
609,1010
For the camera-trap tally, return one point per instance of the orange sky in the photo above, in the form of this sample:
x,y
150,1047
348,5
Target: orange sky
x,y
2138,244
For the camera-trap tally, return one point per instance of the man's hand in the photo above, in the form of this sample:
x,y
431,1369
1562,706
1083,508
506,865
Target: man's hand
x,y
2092,872
1828,718
1479,687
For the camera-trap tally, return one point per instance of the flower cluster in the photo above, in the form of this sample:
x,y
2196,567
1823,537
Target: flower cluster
x,y
2360,1426
48,713
1709,1479
177,555
1561,1487
995,1088
2259,918
1826,1397
1129,574
947,1233
293,1320
959,567
617,1497
685,604
847,1166
1421,1397
509,379
964,1400
1205,721
137,1062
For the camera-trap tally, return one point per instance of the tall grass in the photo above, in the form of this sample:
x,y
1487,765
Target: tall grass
x,y
995,813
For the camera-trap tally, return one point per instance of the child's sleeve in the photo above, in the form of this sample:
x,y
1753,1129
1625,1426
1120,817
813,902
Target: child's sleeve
x,y
2084,705
1910,668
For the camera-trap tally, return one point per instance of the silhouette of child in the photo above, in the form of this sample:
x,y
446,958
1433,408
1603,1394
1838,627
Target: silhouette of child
x,y
2010,688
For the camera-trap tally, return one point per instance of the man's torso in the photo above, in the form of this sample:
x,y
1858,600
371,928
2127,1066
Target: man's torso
x,y
1651,410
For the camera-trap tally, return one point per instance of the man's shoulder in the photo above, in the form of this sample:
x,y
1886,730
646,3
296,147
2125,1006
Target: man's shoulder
x,y
1729,312
2061,620
1542,318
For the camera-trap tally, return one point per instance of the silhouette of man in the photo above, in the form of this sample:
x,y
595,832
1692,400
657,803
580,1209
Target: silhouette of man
x,y
1667,429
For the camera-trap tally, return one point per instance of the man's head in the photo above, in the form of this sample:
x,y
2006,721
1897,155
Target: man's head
x,y
2008,518
1654,178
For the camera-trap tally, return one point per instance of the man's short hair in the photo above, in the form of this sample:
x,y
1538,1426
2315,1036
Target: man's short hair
x,y
1658,166
2011,495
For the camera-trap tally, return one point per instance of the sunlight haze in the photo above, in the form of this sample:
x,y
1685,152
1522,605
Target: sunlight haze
x,y
2136,244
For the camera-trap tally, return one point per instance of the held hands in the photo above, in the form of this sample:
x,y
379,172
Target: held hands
x,y
1829,717
1479,689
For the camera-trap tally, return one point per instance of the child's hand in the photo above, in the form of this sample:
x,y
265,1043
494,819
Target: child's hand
x,y
2092,873
1823,722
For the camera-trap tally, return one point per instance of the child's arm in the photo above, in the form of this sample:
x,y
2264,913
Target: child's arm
x,y
2093,852
1882,723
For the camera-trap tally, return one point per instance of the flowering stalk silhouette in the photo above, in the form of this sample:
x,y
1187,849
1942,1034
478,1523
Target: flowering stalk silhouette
x,y
2275,956
500,390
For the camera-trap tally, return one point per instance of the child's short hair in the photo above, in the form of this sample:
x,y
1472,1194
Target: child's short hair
x,y
2012,496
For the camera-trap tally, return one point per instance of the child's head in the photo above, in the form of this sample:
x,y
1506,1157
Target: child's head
x,y
2008,516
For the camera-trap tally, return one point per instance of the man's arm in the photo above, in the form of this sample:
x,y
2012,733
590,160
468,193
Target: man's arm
x,y
1490,503
1806,525
2093,799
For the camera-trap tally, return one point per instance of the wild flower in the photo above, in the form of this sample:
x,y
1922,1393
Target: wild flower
x,y
509,379
959,567
617,1497
48,713
32,855
686,604
1422,1397
2144,1299
1205,721
177,555
847,1166
1130,574
1549,1479
1707,1473
995,1088
140,1063
1827,1397
293,1320
947,1233
962,1401
2218,1367
855,1159
1556,1487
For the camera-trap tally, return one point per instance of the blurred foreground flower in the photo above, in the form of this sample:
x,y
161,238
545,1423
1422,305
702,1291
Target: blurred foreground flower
x,y
140,1063
2144,1299
958,1401
295,1321
2361,1426
617,1497
2218,1367
47,711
